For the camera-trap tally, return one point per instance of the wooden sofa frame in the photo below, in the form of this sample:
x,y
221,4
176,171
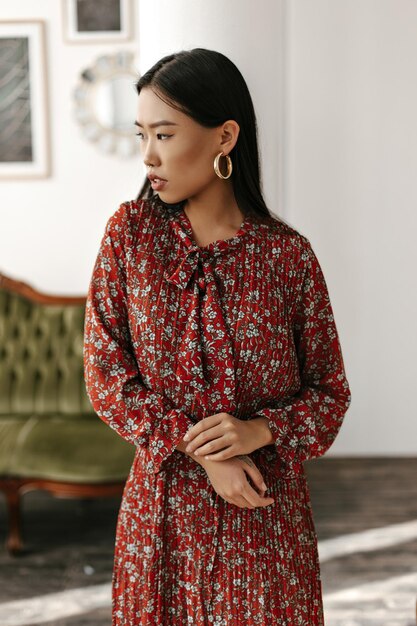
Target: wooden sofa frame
x,y
14,487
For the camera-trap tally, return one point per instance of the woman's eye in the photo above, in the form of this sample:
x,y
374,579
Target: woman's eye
x,y
158,135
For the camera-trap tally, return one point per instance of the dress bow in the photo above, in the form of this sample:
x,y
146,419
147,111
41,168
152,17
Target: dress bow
x,y
181,271
205,356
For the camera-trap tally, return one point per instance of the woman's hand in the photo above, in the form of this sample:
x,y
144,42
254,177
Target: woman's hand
x,y
223,436
229,480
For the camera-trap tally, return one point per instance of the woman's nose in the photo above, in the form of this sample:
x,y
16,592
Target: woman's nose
x,y
149,155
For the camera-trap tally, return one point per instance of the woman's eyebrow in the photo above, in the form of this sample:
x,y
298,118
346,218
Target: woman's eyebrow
x,y
160,123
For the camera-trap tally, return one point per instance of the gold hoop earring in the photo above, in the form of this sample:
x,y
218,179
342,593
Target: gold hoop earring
x,y
229,166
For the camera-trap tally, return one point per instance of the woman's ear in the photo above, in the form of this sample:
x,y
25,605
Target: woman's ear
x,y
229,135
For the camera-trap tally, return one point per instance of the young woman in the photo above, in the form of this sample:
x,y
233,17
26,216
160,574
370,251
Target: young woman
x,y
210,344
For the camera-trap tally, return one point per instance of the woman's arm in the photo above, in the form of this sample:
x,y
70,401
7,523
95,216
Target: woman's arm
x,y
305,425
118,395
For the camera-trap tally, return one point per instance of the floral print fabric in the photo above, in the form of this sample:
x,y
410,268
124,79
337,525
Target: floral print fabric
x,y
175,332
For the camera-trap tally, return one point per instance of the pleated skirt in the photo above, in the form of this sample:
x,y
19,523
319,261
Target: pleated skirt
x,y
185,556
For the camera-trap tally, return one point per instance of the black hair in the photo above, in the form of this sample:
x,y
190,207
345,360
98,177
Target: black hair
x,y
207,86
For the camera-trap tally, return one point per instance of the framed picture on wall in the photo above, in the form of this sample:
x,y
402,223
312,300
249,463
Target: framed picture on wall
x,y
24,118
97,21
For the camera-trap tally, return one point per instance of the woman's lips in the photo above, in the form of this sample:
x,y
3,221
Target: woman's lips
x,y
158,183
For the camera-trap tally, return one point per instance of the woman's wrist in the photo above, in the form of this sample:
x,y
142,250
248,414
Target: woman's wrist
x,y
262,432
181,447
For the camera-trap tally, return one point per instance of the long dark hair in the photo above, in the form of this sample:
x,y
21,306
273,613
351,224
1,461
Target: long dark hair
x,y
208,87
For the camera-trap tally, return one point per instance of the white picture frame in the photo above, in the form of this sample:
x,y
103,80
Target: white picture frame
x,y
24,106
92,21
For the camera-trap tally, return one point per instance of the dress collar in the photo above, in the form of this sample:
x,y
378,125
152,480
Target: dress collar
x,y
185,265
182,225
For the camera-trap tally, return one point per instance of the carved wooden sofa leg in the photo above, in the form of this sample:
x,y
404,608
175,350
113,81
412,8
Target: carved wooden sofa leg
x,y
11,489
14,488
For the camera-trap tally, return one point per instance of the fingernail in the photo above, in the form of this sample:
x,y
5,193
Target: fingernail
x,y
186,437
264,487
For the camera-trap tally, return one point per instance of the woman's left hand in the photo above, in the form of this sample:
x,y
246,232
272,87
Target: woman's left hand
x,y
223,436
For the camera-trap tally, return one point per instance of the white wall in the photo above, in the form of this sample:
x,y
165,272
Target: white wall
x,y
252,38
351,165
50,228
338,141
56,222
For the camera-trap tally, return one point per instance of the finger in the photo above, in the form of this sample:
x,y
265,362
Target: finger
x,y
250,493
255,476
240,501
244,502
204,438
222,455
201,426
254,498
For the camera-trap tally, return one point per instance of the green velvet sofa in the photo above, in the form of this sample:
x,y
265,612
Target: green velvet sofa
x,y
50,437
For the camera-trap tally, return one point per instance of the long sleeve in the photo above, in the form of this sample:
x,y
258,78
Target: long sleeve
x,y
114,385
305,425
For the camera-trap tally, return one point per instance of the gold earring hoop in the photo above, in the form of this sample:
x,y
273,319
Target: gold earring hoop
x,y
229,166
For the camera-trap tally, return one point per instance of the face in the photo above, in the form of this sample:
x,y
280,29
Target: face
x,y
182,152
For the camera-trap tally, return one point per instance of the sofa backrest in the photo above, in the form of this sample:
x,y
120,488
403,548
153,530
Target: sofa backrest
x,y
41,352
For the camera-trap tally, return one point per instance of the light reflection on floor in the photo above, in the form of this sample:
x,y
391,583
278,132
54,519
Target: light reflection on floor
x,y
389,602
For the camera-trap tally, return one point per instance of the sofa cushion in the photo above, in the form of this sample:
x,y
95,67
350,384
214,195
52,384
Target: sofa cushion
x,y
41,355
82,449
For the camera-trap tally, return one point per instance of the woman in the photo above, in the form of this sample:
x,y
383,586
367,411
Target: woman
x,y
210,344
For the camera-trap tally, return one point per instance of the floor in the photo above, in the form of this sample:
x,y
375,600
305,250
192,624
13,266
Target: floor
x,y
365,512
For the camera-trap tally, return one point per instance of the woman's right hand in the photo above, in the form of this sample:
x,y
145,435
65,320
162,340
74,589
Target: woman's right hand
x,y
229,480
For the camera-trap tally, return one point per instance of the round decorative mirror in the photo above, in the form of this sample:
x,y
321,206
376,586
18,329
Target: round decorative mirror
x,y
105,103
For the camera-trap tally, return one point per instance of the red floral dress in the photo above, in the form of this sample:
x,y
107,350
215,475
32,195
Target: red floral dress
x,y
175,332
